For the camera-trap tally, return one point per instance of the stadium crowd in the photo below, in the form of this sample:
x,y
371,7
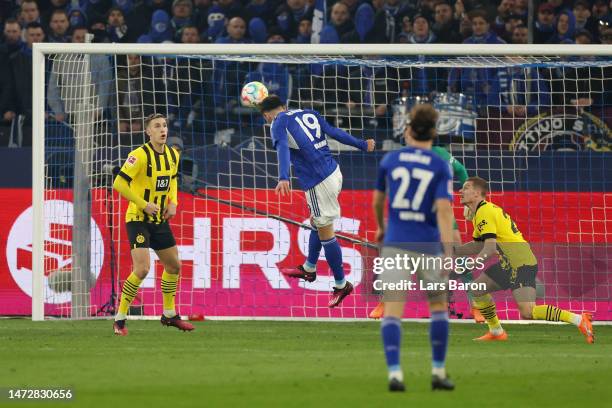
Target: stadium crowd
x,y
25,22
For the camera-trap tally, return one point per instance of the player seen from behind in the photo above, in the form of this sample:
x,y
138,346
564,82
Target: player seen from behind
x,y
418,185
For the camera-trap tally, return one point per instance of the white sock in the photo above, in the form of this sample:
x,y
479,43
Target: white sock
x,y
169,313
439,371
397,375
309,268
341,285
497,331
576,319
120,316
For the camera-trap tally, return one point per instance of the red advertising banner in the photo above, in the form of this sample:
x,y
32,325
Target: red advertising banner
x,y
233,256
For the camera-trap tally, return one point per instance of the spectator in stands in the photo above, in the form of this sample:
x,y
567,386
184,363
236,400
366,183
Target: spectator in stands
x,y
58,27
258,32
67,83
405,29
182,13
505,9
289,14
601,9
565,28
512,21
29,13
520,8
384,26
140,91
583,37
304,30
236,30
216,21
48,11
606,36
523,91
12,39
77,17
582,12
544,27
520,35
481,85
189,35
233,8
21,72
339,24
396,11
139,19
200,14
364,20
115,25
421,32
446,26
161,29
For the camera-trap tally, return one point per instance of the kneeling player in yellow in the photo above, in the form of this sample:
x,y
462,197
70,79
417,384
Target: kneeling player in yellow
x,y
495,232
148,179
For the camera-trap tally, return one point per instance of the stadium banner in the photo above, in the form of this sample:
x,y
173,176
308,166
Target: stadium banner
x,y
233,256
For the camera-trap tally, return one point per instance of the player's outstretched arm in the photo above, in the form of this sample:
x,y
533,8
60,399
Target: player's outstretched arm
x,y
279,139
346,138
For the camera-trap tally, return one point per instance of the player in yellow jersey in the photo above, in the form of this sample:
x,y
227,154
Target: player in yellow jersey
x,y
148,179
496,233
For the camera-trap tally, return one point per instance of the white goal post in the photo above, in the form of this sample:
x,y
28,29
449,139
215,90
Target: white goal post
x,y
468,55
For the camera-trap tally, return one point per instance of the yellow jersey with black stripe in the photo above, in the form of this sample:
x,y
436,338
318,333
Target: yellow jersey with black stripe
x,y
151,176
491,221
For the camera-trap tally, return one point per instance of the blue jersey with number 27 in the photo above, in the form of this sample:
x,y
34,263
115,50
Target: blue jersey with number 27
x,y
413,179
299,138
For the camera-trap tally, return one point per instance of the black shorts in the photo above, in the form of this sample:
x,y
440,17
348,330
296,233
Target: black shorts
x,y
149,235
509,279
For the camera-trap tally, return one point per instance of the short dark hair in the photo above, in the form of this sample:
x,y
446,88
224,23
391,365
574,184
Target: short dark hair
x,y
34,24
11,21
152,117
423,119
480,184
479,13
59,11
270,103
110,10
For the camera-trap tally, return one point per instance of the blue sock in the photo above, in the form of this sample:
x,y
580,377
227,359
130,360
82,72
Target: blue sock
x,y
314,249
391,331
438,336
333,254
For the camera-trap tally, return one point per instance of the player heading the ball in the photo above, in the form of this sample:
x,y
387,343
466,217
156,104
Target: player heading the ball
x,y
496,233
148,179
299,137
420,193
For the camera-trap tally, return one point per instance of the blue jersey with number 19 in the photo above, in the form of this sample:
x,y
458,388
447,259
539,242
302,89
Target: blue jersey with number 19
x,y
413,179
299,138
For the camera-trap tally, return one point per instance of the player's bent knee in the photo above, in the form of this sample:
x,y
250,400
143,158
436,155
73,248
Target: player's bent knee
x,y
140,270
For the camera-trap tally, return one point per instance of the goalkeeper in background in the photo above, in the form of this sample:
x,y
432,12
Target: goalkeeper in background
x,y
461,174
496,233
148,180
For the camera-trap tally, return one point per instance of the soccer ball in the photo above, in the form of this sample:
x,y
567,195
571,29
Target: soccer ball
x,y
253,93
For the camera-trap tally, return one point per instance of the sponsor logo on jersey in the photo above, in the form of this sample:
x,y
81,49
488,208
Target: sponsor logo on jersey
x,y
131,160
481,225
581,131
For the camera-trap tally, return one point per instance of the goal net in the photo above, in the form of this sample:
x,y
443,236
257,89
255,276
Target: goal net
x,y
535,123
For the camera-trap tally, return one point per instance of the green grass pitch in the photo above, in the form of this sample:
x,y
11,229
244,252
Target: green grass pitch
x,y
300,364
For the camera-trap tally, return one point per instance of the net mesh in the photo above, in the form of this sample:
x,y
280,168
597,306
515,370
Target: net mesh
x,y
538,128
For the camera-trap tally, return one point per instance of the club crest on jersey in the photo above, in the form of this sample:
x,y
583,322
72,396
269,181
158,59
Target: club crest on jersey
x,y
481,225
140,238
131,160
